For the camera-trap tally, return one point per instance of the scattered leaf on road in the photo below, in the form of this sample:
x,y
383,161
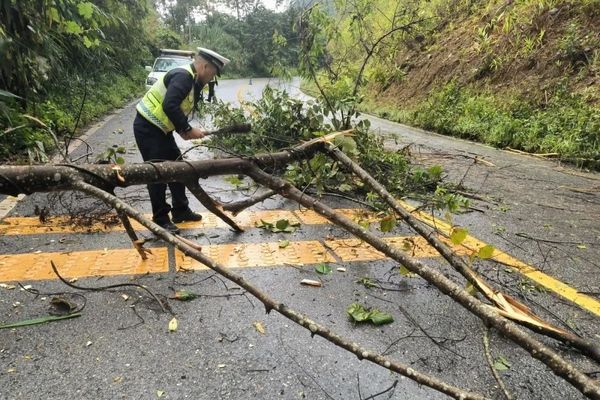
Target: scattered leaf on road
x,y
323,269
37,321
581,246
184,295
88,343
283,244
173,325
61,306
341,269
160,393
387,223
486,252
359,313
501,364
259,327
458,235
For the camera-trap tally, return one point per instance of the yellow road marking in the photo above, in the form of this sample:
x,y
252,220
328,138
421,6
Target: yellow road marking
x,y
357,250
61,224
473,244
242,255
22,267
350,252
27,267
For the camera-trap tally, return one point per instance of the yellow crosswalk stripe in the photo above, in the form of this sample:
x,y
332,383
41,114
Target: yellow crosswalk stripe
x,y
109,262
36,266
61,224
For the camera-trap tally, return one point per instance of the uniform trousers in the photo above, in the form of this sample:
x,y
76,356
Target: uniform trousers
x,y
156,146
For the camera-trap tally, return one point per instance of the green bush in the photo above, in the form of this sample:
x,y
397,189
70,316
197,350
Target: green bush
x,y
59,112
566,124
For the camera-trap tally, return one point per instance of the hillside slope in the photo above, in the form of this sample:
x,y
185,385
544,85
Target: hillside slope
x,y
522,74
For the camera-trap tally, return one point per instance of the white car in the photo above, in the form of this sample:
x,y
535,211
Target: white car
x,y
167,60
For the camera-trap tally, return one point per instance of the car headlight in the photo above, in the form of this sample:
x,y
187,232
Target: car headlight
x,y
151,80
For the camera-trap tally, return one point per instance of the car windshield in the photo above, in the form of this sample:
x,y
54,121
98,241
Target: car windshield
x,y
165,64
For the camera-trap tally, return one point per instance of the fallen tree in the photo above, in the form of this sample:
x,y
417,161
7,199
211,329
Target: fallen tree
x,y
100,181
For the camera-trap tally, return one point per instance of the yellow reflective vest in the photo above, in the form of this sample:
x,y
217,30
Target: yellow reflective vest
x,y
151,105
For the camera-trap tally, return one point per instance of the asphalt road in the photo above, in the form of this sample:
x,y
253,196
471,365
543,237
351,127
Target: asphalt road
x,y
538,211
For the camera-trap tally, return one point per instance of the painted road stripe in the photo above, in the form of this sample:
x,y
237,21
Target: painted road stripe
x,y
32,226
22,267
77,264
545,280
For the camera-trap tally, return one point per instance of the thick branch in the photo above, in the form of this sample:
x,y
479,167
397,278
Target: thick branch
x,y
488,314
211,205
271,304
15,180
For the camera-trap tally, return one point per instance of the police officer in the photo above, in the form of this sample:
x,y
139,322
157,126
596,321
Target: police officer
x,y
164,109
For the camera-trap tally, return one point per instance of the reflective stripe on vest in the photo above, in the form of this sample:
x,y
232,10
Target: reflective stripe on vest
x,y
151,105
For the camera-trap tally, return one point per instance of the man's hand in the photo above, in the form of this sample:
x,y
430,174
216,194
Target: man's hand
x,y
194,133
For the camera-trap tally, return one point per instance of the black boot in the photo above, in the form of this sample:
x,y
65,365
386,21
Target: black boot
x,y
187,215
168,225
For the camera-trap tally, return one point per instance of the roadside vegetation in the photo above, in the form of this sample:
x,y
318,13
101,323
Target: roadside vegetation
x,y
66,64
522,75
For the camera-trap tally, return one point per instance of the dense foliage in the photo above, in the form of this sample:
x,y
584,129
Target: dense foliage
x,y
280,121
64,64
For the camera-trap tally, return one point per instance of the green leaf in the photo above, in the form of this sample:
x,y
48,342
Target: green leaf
x,y
323,269
486,252
37,321
458,235
185,295
358,312
234,180
435,172
265,225
87,42
361,314
381,318
406,245
501,364
86,9
387,224
120,160
282,224
73,27
344,188
283,244
53,14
